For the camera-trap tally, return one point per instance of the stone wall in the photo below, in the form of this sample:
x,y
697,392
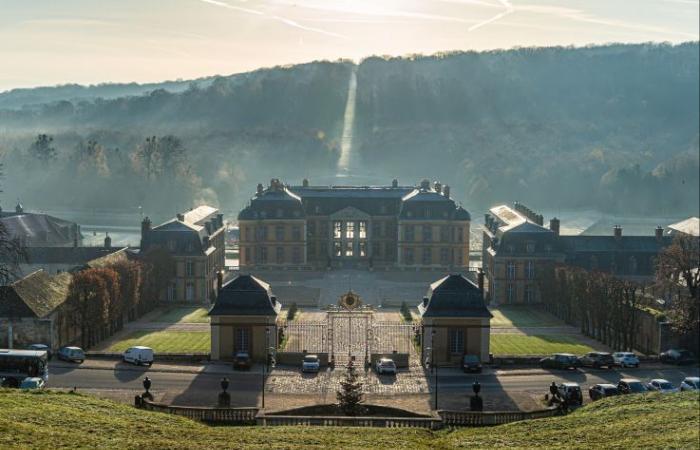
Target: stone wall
x,y
26,331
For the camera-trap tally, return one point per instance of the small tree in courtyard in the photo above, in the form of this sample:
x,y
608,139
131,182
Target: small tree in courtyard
x,y
350,393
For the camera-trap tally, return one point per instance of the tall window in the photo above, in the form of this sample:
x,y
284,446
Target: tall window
x,y
444,256
350,230
279,233
189,291
242,339
456,337
280,255
363,249
530,247
408,233
510,292
529,294
296,233
311,228
510,270
337,230
459,232
444,233
296,255
427,256
363,230
427,233
247,251
263,255
408,256
348,248
530,269
189,268
337,248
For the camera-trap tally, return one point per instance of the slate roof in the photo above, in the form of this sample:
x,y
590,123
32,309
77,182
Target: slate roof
x,y
454,296
89,256
275,202
36,295
187,232
40,229
690,226
245,295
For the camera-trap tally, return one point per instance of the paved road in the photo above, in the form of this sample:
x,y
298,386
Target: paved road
x,y
188,388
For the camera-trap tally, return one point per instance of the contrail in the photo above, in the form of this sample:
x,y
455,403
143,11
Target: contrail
x,y
509,10
283,20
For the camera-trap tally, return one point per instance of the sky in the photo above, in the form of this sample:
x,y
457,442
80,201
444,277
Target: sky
x,y
49,42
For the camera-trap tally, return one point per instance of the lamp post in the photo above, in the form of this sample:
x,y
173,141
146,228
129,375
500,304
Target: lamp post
x,y
433,363
262,372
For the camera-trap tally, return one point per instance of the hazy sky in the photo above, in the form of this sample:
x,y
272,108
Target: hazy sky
x,y
46,42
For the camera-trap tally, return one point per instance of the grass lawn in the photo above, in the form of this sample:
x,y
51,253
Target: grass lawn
x,y
523,316
42,419
166,341
182,315
521,345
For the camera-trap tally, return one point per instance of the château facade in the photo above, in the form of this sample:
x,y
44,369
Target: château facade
x,y
318,227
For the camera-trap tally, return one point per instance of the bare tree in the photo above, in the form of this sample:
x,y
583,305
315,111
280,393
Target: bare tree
x,y
42,149
678,274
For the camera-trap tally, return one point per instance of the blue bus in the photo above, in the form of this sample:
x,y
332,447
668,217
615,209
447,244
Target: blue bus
x,y
16,365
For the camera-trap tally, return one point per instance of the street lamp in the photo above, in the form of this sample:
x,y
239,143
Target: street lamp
x,y
433,363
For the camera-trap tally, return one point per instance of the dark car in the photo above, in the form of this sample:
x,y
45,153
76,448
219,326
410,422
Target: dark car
x,y
471,363
602,390
559,361
241,361
677,356
571,392
597,360
631,386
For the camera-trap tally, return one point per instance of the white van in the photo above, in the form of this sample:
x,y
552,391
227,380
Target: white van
x,y
138,355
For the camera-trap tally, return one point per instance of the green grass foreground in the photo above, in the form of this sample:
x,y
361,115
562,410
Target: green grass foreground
x,y
522,345
63,420
523,316
166,341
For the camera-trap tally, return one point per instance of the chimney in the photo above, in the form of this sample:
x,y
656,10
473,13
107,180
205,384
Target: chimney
x,y
438,187
480,279
554,225
659,233
180,217
446,191
305,182
108,241
273,299
617,230
425,184
260,188
145,229
219,280
395,183
425,302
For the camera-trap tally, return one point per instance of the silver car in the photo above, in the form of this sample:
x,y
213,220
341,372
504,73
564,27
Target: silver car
x,y
385,365
661,385
690,384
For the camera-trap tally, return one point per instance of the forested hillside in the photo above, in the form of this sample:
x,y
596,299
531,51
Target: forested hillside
x,y
613,128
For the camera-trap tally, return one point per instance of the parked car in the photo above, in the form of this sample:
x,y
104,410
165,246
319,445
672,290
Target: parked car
x,y
241,361
471,363
661,385
139,355
677,356
71,354
626,359
597,360
32,383
690,384
311,363
559,361
385,365
41,347
602,390
571,392
631,386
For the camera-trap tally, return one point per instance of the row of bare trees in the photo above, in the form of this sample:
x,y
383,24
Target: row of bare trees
x,y
603,306
607,308
101,299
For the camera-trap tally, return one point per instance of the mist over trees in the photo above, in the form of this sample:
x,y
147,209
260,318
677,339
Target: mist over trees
x,y
613,128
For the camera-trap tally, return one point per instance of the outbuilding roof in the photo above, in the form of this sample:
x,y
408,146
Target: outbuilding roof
x,y
454,296
36,295
245,295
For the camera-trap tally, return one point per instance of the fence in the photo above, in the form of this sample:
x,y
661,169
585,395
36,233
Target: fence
x,y
218,416
479,419
344,421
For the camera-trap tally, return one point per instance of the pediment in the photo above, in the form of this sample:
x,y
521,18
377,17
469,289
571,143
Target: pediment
x,y
350,212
